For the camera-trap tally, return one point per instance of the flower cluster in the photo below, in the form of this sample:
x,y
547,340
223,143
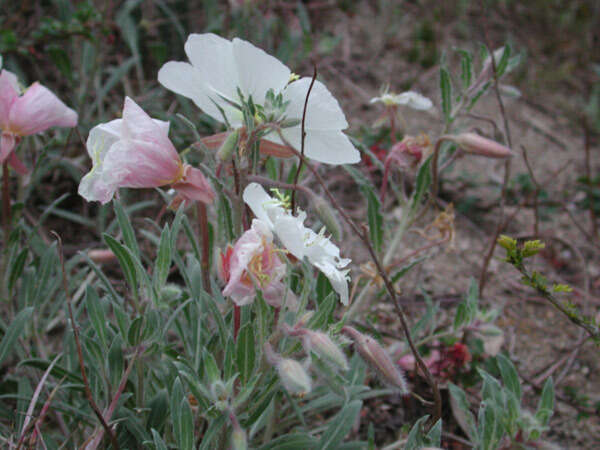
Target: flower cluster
x,y
299,240
222,74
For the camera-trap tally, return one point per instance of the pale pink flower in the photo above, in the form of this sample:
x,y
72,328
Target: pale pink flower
x,y
31,113
136,152
253,264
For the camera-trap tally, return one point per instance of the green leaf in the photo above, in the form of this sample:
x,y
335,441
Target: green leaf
x,y
320,319
340,426
503,63
185,426
16,268
159,444
461,411
374,217
96,313
116,362
509,375
466,66
466,311
105,282
181,417
415,440
16,327
405,269
292,441
212,433
126,228
163,259
125,260
545,408
446,89
246,352
487,426
421,185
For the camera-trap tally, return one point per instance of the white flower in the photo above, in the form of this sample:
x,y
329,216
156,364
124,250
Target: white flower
x,y
411,99
299,240
220,67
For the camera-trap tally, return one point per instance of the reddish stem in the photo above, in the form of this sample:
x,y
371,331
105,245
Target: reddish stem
x,y
203,222
236,321
386,173
6,219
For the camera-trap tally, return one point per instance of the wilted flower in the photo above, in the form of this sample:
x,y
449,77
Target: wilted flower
x,y
442,363
299,240
406,154
253,263
411,99
473,143
377,358
221,70
136,152
36,110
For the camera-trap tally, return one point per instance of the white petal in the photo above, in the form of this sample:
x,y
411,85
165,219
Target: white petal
x,y
183,79
101,137
291,232
258,71
323,111
257,199
93,188
414,100
331,147
338,280
212,56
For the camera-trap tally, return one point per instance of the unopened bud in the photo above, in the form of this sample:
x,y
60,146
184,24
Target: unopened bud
x,y
170,292
293,376
473,143
228,146
325,348
239,440
327,216
376,357
288,123
102,255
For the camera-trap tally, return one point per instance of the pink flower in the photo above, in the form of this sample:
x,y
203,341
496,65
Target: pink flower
x,y
253,264
31,113
136,152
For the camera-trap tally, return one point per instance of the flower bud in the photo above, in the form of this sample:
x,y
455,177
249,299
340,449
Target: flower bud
x,y
327,216
170,292
376,357
239,440
323,346
473,143
228,146
102,255
293,376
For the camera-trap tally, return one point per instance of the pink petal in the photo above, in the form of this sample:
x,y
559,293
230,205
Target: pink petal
x,y
141,164
17,164
138,125
8,94
194,186
39,109
8,142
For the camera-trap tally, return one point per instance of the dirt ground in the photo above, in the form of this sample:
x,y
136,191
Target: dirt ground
x,y
379,49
